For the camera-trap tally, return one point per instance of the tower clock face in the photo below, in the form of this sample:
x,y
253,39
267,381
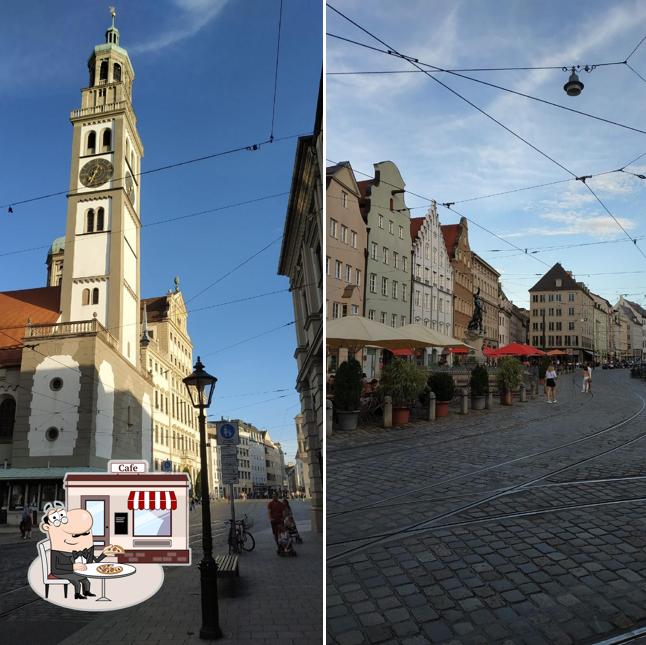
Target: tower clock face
x,y
96,172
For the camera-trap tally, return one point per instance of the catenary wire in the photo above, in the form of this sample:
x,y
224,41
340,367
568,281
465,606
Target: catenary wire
x,y
251,147
507,129
637,46
245,340
273,109
435,69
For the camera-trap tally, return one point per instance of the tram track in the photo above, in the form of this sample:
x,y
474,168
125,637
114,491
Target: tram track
x,y
429,523
479,471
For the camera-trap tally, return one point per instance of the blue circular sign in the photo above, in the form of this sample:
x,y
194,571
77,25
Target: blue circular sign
x,y
227,431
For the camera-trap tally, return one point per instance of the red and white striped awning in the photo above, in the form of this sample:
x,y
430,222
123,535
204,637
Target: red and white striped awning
x,y
152,500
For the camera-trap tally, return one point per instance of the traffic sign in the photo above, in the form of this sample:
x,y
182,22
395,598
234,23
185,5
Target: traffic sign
x,y
229,464
167,466
227,435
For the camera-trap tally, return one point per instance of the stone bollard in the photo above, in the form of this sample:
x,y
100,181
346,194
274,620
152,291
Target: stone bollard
x,y
431,406
489,400
328,417
464,400
523,393
388,412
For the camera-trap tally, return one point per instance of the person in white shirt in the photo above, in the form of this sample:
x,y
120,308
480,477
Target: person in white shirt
x,y
587,378
550,383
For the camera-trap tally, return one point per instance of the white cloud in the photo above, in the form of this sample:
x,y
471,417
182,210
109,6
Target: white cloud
x,y
191,17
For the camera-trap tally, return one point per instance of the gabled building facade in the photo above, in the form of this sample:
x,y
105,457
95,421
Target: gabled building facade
x,y
456,240
485,279
636,316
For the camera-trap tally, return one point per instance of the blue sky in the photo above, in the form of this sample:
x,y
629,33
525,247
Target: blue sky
x,y
447,150
204,83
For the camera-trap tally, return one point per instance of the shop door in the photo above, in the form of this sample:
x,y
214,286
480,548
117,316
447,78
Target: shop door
x,y
99,508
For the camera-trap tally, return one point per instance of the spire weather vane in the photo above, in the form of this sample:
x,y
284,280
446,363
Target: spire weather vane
x,y
113,13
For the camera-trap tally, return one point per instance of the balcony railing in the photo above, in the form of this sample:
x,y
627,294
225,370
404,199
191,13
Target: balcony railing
x,y
109,107
74,328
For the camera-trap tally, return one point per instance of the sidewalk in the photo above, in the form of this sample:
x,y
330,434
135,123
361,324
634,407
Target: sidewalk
x,y
278,601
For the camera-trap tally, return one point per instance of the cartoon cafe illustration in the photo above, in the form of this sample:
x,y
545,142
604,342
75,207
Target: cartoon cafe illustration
x,y
146,513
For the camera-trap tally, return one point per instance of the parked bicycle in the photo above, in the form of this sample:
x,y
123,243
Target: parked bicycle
x,y
239,538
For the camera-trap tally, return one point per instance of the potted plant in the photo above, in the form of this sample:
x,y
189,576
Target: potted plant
x,y
347,393
442,385
479,387
509,376
403,381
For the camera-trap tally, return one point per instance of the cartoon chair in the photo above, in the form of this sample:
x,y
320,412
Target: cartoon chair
x,y
44,548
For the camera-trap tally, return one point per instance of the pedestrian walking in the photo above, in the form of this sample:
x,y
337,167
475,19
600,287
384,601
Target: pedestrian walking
x,y
275,509
26,523
550,383
587,379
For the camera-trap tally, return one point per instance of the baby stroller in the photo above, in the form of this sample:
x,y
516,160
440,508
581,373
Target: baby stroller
x,y
290,525
285,542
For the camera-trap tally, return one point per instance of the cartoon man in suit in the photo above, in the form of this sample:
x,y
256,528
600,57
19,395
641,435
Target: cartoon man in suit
x,y
72,545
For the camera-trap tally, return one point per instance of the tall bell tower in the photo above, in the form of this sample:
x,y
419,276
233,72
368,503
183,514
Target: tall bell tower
x,y
102,241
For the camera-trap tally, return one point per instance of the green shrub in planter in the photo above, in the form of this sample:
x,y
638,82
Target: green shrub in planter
x,y
403,381
479,381
441,383
510,373
348,386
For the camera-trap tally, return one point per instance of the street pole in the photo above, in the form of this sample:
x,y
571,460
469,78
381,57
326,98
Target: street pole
x,y
233,511
210,629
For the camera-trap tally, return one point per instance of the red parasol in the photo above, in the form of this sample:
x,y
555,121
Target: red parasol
x,y
519,349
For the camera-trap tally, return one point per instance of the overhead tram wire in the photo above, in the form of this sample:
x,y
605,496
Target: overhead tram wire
x,y
637,46
245,340
273,109
436,69
502,125
252,147
167,220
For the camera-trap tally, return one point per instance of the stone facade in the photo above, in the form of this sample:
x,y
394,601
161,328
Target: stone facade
x,y
636,317
519,325
387,297
601,328
562,314
301,261
485,278
456,239
505,307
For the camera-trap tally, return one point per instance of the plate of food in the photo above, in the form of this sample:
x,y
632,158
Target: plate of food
x,y
109,569
114,549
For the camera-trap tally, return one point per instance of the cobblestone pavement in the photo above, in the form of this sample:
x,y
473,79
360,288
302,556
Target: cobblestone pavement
x,y
515,525
277,600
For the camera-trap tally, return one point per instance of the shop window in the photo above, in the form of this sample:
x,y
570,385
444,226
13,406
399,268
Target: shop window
x,y
96,508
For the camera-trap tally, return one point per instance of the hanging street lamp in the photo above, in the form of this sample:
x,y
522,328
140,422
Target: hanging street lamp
x,y
574,86
200,385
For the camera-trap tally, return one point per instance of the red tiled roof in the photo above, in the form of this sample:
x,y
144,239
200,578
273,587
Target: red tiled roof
x,y
364,185
156,308
415,225
41,305
450,234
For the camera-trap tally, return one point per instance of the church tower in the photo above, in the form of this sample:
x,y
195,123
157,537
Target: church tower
x,y
102,241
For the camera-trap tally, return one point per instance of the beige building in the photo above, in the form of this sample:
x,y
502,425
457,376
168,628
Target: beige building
x,y
601,327
505,307
620,328
456,240
81,395
485,278
562,314
519,325
345,250
301,260
168,357
636,316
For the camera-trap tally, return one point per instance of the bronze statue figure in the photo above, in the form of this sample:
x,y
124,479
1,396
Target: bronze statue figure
x,y
476,320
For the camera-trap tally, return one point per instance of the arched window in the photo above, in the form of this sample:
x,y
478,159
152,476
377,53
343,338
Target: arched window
x,y
127,149
91,76
91,143
95,296
103,71
116,75
107,140
7,419
89,222
100,217
86,297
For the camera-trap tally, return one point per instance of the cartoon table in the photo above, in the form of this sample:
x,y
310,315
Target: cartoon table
x,y
91,572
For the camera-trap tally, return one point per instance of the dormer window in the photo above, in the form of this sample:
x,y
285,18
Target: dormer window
x,y
559,282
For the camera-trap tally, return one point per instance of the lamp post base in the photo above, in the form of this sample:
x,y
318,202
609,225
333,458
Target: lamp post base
x,y
210,629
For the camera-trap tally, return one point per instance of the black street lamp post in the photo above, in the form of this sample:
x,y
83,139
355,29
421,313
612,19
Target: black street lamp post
x,y
200,386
